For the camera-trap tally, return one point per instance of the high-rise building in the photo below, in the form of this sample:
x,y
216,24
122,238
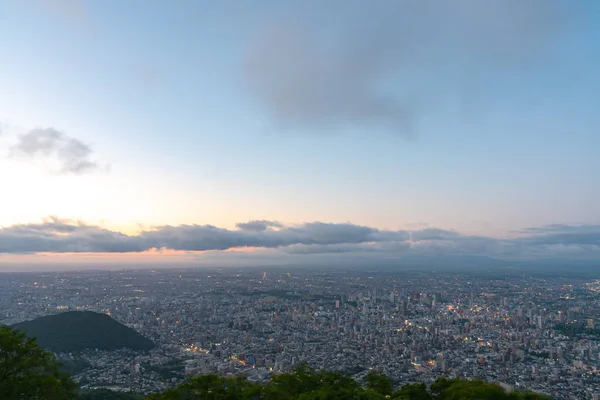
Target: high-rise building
x,y
440,361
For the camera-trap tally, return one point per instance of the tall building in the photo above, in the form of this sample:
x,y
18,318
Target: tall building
x,y
441,362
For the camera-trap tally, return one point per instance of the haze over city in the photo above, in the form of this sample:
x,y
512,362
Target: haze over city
x,y
276,132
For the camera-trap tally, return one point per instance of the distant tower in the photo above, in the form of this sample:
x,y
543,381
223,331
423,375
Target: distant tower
x,y
441,362
264,278
539,321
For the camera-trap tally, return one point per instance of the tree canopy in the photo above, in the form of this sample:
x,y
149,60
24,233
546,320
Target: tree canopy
x,y
29,372
305,383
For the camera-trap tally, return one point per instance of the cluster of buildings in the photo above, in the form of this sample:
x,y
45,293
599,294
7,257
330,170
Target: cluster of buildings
x,y
522,330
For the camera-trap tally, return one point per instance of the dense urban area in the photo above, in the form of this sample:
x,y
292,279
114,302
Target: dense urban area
x,y
522,330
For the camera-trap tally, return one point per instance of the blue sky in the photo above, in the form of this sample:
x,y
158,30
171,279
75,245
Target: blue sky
x,y
473,117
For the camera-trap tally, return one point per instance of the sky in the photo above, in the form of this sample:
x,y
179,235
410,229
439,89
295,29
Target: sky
x,y
196,131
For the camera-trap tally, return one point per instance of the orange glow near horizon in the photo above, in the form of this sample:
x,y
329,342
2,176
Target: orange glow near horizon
x,y
152,255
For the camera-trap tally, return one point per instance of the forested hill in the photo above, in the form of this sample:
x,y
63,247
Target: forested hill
x,y
78,330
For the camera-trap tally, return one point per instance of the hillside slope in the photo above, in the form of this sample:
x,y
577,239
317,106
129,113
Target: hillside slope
x,y
78,330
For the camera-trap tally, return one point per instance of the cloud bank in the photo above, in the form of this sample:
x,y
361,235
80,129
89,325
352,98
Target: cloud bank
x,y
310,77
55,235
258,226
73,155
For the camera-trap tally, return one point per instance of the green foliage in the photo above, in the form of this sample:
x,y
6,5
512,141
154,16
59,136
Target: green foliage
x,y
210,387
456,389
474,390
78,330
415,391
441,384
379,383
29,372
107,394
304,383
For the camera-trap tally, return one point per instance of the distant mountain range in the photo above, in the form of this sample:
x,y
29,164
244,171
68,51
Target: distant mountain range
x,y
79,330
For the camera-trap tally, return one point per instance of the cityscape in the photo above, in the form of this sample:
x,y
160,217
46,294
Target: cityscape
x,y
299,200
522,330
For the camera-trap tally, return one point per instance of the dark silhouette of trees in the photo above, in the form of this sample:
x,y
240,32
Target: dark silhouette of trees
x,y
304,383
29,372
379,383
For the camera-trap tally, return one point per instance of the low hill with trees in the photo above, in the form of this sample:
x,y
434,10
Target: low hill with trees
x,y
74,331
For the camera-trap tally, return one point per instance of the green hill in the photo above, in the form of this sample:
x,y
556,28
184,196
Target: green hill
x,y
78,330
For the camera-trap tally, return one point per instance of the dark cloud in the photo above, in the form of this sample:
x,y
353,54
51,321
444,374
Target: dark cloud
x,y
258,225
302,83
307,78
207,237
374,247
56,235
561,228
73,155
64,236
433,234
566,235
61,236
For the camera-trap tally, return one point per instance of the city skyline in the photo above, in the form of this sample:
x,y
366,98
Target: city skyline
x,y
283,132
